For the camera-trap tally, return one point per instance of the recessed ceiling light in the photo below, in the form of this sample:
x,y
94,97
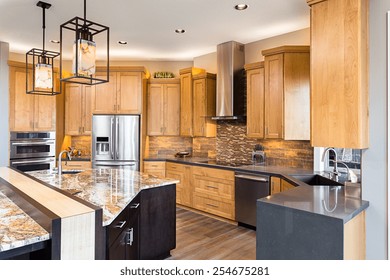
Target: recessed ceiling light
x,y
241,7
180,31
122,42
54,41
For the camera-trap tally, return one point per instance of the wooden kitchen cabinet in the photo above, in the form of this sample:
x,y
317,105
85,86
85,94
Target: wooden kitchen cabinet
x,y
156,168
78,111
186,100
29,112
164,107
275,185
255,99
204,106
339,73
280,185
285,185
122,94
181,172
287,93
213,191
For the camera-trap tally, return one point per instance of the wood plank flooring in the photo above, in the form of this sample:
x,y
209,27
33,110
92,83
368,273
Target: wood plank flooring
x,y
199,237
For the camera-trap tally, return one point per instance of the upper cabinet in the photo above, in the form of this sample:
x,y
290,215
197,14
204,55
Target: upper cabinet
x,y
78,113
164,107
29,112
204,98
255,99
186,99
286,93
122,94
339,73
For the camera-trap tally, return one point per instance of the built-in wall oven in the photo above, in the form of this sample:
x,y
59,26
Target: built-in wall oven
x,y
30,151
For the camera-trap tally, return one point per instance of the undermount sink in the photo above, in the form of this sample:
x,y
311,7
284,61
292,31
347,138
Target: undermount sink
x,y
71,171
316,180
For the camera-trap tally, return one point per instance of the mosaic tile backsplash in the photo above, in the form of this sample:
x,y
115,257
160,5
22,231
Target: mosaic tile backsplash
x,y
232,145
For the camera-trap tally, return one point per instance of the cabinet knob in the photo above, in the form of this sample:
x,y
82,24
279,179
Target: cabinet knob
x,y
134,206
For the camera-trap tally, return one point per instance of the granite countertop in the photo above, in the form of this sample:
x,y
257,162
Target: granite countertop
x,y
17,229
110,189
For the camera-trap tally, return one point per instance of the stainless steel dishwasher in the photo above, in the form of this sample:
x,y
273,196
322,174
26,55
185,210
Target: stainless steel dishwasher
x,y
248,188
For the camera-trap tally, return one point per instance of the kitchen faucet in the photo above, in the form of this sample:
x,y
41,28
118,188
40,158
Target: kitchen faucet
x,y
60,159
335,173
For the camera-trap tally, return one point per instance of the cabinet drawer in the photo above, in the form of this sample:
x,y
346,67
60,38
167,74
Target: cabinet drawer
x,y
214,187
117,226
214,205
76,165
216,173
154,165
175,167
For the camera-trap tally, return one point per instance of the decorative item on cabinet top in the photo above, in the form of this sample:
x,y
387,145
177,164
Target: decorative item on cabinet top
x,y
84,50
164,75
39,65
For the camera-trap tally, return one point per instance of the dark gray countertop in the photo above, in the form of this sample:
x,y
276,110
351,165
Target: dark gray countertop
x,y
303,197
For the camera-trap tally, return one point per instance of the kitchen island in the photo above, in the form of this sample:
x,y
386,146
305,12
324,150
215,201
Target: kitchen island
x,y
107,195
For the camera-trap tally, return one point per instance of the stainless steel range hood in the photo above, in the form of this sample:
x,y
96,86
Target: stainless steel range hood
x,y
231,84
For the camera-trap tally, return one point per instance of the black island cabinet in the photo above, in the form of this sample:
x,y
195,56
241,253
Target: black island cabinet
x,y
146,228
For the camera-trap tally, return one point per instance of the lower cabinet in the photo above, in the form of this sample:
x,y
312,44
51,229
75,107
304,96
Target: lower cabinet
x,y
280,185
146,228
155,168
123,234
181,172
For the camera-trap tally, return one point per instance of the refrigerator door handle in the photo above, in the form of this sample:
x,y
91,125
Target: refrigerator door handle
x,y
117,138
111,142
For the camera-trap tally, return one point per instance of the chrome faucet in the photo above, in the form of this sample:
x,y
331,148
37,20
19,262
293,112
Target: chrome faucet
x,y
335,173
351,175
60,159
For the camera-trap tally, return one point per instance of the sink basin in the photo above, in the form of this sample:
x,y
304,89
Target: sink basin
x,y
71,171
316,180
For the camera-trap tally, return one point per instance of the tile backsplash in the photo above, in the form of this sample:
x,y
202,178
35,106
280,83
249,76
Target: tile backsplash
x,y
232,145
168,145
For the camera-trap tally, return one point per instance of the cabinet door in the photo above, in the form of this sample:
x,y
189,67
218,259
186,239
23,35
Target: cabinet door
x,y
45,113
274,89
275,185
117,250
73,114
129,93
21,104
186,104
286,185
87,110
104,96
171,109
255,103
339,82
199,91
155,109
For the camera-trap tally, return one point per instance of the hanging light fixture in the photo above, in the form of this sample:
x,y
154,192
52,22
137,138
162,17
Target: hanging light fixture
x,y
88,40
39,65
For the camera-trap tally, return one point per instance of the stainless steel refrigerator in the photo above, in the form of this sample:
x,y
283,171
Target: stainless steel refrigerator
x,y
116,141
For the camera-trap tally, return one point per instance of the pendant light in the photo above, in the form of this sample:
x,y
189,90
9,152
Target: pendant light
x,y
84,38
39,65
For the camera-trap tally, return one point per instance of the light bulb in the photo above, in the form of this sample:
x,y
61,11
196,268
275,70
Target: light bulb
x,y
43,76
86,57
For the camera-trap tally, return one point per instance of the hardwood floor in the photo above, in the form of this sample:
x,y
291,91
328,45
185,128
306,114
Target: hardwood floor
x,y
199,237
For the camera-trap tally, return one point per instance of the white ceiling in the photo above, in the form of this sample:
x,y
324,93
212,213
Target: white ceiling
x,y
148,25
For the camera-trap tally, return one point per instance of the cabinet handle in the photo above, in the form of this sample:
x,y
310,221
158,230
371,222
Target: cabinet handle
x,y
114,107
83,129
134,206
121,224
212,187
119,107
212,205
131,237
